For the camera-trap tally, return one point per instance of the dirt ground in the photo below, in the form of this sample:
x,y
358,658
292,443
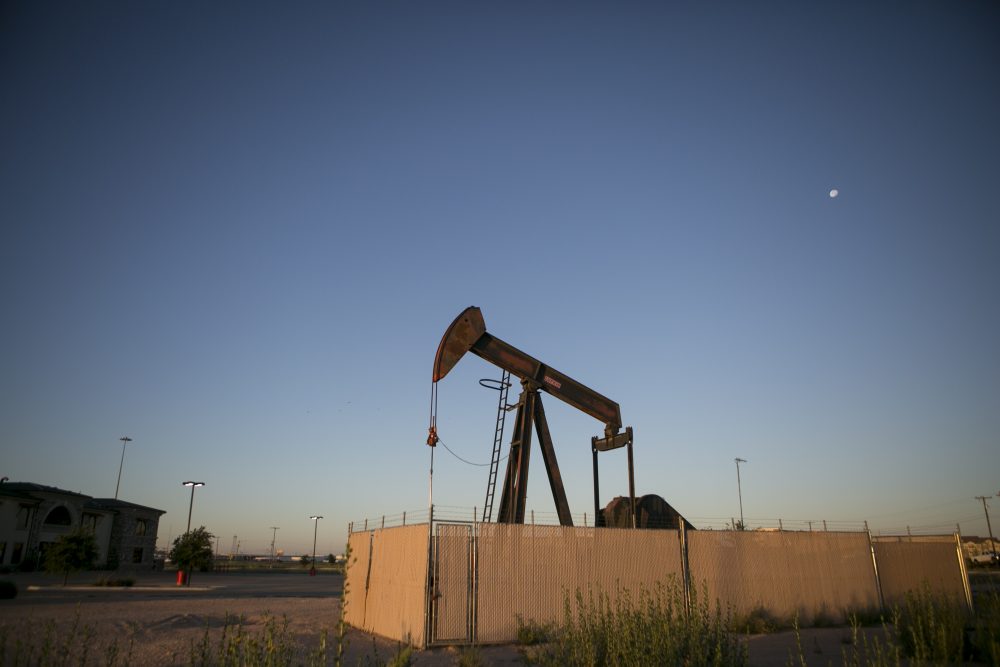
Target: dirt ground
x,y
157,626
150,630
161,632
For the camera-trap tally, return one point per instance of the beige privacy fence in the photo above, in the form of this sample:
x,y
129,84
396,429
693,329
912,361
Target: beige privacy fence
x,y
455,583
904,560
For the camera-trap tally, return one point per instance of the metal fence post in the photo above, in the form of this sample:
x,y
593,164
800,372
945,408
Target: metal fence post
x,y
964,571
685,571
429,579
878,580
474,601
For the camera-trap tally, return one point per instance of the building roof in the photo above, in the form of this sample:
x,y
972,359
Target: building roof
x,y
20,495
115,504
27,488
25,491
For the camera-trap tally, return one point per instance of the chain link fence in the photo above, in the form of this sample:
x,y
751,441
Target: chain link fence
x,y
454,580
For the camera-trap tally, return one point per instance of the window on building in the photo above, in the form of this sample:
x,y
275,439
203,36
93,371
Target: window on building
x,y
89,522
17,554
137,555
59,516
23,515
140,527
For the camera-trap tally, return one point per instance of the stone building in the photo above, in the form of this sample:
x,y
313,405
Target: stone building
x,y
34,516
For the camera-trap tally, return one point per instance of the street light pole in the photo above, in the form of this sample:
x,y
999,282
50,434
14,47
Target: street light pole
x,y
993,549
312,569
193,486
739,490
125,440
274,534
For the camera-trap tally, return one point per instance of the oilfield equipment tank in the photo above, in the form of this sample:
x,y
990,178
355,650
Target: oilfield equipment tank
x,y
651,512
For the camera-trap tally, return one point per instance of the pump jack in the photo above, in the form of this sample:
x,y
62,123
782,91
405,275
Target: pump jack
x,y
467,333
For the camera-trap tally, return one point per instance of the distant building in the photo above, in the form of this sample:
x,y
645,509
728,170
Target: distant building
x,y
34,516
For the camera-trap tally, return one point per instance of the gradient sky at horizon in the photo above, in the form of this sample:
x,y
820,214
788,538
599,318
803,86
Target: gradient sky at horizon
x,y
236,232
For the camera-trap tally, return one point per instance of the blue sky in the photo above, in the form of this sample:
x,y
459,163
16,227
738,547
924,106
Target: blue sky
x,y
236,232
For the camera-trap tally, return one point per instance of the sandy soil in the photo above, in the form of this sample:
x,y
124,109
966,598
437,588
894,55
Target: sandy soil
x,y
173,631
158,631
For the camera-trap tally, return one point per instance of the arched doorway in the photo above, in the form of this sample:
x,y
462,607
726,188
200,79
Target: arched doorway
x,y
58,516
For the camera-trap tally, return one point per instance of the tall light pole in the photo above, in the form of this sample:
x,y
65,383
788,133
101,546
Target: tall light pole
x,y
986,509
125,440
312,569
739,490
193,486
274,534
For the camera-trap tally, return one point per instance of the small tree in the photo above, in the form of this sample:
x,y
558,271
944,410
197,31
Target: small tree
x,y
193,550
306,560
330,558
71,553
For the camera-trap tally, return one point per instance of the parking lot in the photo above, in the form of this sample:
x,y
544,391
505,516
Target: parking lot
x,y
42,587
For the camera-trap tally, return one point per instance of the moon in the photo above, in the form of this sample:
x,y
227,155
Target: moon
x,y
834,193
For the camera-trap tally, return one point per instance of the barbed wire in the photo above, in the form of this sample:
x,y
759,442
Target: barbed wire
x,y
467,514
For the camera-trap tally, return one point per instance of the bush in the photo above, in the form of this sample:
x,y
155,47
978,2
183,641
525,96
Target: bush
x,y
931,627
530,633
986,629
8,589
656,628
193,551
759,621
71,553
470,656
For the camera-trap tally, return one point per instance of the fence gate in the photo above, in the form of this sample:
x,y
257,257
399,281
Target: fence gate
x,y
451,593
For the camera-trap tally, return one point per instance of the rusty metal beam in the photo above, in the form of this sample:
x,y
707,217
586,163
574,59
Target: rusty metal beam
x,y
551,465
467,333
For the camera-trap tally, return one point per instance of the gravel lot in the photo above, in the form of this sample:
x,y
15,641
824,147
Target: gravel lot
x,y
163,624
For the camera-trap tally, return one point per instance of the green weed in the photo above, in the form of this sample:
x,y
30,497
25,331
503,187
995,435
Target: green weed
x,y
470,656
759,621
931,627
653,628
530,633
47,645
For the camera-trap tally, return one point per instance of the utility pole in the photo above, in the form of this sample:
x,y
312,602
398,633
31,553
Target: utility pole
x,y
274,533
739,489
125,440
315,520
986,509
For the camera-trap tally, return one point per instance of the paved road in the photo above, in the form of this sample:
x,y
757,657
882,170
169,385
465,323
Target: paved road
x,y
162,585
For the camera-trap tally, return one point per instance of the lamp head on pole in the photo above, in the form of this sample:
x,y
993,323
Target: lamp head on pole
x,y
314,518
193,484
739,460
